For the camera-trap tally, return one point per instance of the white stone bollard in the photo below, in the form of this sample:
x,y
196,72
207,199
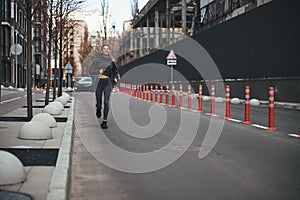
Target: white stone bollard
x,y
206,98
21,90
254,102
219,100
35,130
48,119
235,101
54,108
11,169
62,99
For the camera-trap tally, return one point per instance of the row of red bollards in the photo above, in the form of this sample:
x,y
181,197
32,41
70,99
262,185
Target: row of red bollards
x,y
142,92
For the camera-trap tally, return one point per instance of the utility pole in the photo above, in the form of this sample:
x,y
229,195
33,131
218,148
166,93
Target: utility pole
x,y
29,59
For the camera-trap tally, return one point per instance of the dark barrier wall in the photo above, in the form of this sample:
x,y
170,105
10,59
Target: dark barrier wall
x,y
264,42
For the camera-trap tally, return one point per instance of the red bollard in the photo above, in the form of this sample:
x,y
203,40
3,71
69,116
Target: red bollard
x,y
156,94
173,96
189,98
271,109
151,93
180,96
212,107
227,116
144,92
167,95
200,99
161,94
133,90
147,92
247,105
139,91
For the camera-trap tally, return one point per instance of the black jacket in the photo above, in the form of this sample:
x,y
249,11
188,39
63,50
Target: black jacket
x,y
106,65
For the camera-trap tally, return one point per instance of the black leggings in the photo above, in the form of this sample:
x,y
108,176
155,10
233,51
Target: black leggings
x,y
103,86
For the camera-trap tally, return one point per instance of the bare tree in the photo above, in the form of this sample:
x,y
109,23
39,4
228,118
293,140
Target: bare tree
x,y
104,14
50,37
134,4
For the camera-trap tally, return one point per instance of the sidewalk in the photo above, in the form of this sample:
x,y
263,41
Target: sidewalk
x,y
46,176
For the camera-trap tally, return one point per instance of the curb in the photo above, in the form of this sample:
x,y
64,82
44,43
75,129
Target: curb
x,y
60,180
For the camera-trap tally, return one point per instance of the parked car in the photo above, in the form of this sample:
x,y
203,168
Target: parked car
x,y
83,84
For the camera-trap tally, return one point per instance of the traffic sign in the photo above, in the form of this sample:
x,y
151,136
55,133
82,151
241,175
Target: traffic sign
x,y
171,55
171,62
171,58
16,49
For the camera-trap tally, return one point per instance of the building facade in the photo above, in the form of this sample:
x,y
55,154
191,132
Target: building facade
x,y
13,34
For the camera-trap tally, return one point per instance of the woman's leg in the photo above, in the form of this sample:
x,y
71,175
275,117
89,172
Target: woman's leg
x,y
98,92
107,91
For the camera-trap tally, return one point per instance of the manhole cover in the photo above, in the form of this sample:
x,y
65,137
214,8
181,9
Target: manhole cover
x,y
11,195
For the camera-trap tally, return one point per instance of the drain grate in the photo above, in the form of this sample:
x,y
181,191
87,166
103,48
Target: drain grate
x,y
12,195
34,157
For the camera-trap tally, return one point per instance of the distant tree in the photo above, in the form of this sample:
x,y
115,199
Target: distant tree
x,y
104,14
134,7
85,47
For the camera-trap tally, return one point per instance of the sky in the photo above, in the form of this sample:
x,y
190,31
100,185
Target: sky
x,y
119,9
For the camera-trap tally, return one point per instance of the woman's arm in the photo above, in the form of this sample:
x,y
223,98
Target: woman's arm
x,y
115,73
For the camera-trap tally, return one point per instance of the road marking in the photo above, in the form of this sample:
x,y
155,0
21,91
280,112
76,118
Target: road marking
x,y
259,126
9,100
213,115
294,135
235,120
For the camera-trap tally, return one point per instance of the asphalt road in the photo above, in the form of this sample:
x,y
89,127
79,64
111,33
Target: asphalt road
x,y
12,99
246,163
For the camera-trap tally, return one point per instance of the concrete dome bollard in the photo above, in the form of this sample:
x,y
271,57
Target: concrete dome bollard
x,y
58,104
219,100
48,119
64,94
35,130
2,86
206,98
11,169
21,90
235,101
62,99
254,102
53,108
10,87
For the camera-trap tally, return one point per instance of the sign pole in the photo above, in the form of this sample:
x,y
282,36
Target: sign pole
x,y
171,61
171,74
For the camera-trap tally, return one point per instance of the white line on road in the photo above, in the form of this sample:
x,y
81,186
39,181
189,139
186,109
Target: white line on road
x,y
235,120
9,100
294,135
259,126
